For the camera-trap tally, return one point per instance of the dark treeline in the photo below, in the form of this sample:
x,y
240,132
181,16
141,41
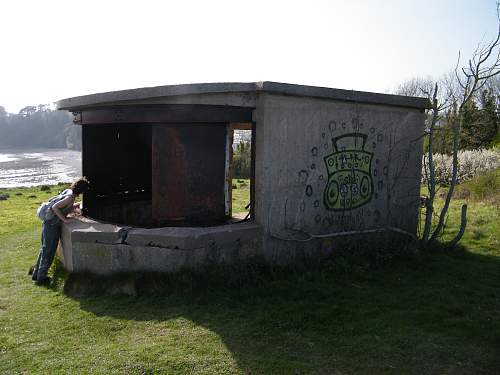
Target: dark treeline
x,y
480,128
481,116
38,126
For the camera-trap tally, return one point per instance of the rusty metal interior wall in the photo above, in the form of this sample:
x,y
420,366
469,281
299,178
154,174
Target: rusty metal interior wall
x,y
117,161
189,174
168,169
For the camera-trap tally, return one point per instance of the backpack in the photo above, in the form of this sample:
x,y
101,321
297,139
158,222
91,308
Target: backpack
x,y
44,212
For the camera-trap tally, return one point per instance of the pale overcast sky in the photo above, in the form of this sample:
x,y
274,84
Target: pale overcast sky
x,y
56,49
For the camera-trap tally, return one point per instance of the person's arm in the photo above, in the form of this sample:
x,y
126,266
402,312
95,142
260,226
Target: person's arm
x,y
69,200
77,209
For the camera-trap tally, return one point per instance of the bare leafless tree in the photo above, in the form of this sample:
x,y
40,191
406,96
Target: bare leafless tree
x,y
482,67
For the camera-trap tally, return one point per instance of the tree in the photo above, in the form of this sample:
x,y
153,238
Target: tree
x,y
242,160
470,137
471,78
454,114
39,126
489,117
28,110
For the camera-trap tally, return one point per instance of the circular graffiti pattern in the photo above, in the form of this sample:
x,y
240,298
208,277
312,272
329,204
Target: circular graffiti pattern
x,y
332,193
365,187
309,190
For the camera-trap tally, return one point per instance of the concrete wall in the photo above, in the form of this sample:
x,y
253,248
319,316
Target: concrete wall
x,y
91,246
294,142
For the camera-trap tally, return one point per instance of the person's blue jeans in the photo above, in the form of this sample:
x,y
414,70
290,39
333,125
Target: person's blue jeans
x,y
51,231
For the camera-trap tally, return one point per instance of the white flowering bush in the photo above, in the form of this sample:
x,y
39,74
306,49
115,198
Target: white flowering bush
x,y
470,164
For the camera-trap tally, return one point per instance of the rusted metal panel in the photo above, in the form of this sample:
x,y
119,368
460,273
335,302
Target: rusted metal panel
x,y
188,174
171,113
99,159
169,200
134,145
117,162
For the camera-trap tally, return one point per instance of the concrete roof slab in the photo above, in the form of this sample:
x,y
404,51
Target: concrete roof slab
x,y
132,95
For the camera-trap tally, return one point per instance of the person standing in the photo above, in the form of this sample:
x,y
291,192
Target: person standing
x,y
51,229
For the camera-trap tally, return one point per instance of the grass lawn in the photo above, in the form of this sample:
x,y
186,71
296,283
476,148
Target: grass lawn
x,y
431,313
241,195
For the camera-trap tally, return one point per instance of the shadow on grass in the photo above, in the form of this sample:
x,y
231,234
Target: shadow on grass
x,y
437,312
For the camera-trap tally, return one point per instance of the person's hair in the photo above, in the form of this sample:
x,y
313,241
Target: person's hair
x,y
81,185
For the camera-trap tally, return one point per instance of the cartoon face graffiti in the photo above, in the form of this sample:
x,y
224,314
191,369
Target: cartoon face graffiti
x,y
350,183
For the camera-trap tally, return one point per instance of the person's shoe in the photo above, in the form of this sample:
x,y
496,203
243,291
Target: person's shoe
x,y
44,281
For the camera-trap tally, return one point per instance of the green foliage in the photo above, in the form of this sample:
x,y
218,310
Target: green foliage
x,y
443,134
483,199
39,126
242,160
435,312
495,143
486,186
480,126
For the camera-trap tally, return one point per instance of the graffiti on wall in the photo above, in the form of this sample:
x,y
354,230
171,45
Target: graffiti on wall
x,y
344,176
350,183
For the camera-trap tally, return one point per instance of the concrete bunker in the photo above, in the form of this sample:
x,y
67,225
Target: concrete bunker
x,y
325,163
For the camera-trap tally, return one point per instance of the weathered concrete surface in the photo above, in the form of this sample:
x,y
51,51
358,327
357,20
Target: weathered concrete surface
x,y
199,92
295,138
88,246
244,99
193,238
85,230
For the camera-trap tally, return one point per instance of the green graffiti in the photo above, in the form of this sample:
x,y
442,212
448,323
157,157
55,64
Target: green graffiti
x,y
350,183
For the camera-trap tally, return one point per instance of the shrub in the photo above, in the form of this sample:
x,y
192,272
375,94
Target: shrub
x,y
486,186
470,164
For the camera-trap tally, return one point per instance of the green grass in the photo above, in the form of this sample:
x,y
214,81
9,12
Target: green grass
x,y
241,195
436,312
482,194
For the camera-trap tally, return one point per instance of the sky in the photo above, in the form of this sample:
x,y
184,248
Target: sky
x,y
55,49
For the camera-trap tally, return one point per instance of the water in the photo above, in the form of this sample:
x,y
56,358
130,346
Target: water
x,y
30,167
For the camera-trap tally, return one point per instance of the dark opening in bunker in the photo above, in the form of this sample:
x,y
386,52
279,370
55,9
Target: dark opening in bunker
x,y
160,165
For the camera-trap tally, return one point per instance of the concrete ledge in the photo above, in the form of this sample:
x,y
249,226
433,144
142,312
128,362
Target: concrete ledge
x,y
104,249
193,238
